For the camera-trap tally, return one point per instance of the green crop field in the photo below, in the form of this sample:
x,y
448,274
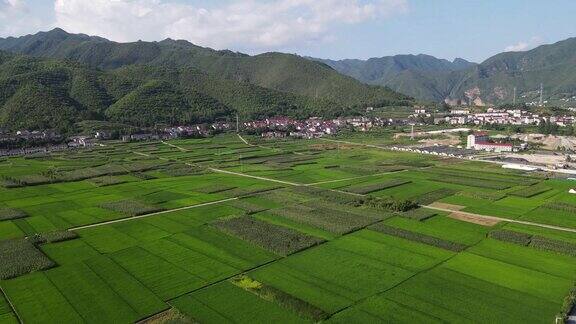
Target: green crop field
x,y
216,230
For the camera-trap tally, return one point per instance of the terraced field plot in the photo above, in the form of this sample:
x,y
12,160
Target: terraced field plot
x,y
217,230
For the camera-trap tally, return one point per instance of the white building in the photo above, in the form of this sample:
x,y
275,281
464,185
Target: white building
x,y
481,141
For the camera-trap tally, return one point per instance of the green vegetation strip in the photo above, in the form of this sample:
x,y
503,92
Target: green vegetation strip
x,y
528,192
11,214
561,206
535,241
130,207
277,239
419,214
298,306
332,220
377,187
419,237
22,256
435,195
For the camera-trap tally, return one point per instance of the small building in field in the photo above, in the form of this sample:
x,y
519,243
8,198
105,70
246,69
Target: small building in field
x,y
481,141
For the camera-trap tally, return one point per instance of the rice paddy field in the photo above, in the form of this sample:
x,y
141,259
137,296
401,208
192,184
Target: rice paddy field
x,y
295,231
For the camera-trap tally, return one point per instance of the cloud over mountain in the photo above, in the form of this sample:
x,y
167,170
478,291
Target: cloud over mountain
x,y
252,24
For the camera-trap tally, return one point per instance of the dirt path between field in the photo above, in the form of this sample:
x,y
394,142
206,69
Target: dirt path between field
x,y
153,214
474,219
500,219
449,210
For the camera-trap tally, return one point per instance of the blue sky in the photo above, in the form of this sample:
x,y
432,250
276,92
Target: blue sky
x,y
471,29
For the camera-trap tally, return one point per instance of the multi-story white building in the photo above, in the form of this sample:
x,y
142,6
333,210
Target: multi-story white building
x,y
481,141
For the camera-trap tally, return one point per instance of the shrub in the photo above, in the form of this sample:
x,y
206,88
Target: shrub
x,y
21,256
11,213
215,188
386,203
130,207
247,206
335,221
492,196
300,307
419,214
435,195
473,182
278,239
547,244
511,237
561,206
106,181
419,237
377,187
528,192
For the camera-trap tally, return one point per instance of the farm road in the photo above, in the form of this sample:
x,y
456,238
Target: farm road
x,y
558,228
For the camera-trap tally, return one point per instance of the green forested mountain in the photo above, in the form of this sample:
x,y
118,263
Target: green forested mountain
x,y
421,76
493,81
37,93
277,71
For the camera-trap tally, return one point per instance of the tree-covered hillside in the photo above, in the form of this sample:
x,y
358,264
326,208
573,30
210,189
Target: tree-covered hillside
x,y
40,93
421,76
493,81
276,71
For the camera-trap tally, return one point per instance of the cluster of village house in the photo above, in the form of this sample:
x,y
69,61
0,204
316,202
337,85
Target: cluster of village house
x,y
495,116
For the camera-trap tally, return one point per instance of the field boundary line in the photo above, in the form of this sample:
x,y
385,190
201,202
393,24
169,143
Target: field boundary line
x,y
553,227
256,177
154,214
11,305
558,228
355,303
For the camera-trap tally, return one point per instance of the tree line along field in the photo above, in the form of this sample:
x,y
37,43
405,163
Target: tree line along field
x,y
217,230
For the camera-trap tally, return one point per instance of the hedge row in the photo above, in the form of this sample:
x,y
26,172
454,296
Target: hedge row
x,y
331,220
435,195
130,207
278,239
419,237
11,213
561,206
535,241
492,196
528,192
215,188
22,256
473,182
378,186
298,306
419,214
511,237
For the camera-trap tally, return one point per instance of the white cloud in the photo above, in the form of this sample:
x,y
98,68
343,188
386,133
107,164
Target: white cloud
x,y
525,45
243,24
16,18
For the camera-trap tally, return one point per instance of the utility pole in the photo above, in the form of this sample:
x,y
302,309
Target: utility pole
x,y
541,94
412,133
237,124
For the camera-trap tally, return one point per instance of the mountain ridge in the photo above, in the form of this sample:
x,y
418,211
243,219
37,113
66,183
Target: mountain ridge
x,y
489,82
276,71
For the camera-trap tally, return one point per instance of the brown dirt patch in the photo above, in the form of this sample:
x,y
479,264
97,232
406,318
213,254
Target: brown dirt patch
x,y
447,206
474,219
